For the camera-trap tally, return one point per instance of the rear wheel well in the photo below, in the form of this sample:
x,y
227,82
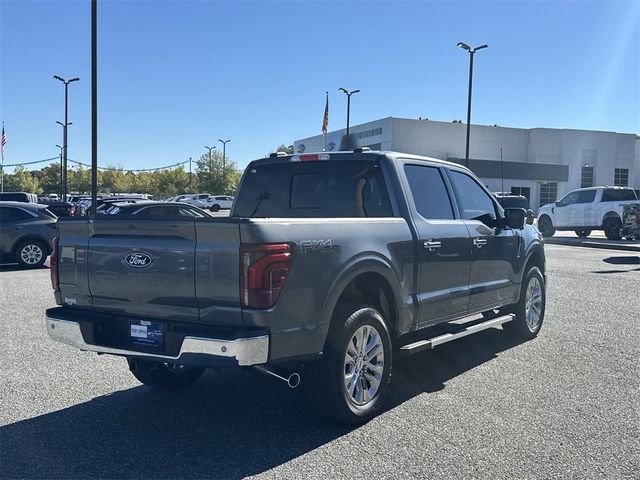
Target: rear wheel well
x,y
370,289
610,215
31,238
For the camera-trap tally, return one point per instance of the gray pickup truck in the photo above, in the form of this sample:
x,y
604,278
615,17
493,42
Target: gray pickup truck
x,y
327,267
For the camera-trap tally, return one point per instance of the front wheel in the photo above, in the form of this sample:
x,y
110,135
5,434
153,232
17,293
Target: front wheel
x,y
350,382
583,233
529,311
167,376
546,226
612,228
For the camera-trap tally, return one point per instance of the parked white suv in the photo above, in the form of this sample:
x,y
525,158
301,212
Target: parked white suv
x,y
218,202
197,200
585,210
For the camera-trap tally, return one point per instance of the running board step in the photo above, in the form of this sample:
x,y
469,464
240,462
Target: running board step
x,y
449,337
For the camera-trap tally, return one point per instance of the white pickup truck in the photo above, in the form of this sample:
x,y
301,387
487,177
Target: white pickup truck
x,y
587,209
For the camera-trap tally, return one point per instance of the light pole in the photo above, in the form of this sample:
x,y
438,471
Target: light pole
x,y
210,165
190,184
348,94
471,51
62,164
224,155
60,171
64,134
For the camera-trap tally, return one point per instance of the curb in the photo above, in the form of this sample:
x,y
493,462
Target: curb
x,y
588,244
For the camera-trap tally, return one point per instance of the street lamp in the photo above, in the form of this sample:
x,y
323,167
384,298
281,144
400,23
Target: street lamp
x,y
60,170
471,51
224,156
348,94
210,165
64,135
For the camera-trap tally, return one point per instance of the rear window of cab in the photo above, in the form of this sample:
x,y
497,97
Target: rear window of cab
x,y
332,188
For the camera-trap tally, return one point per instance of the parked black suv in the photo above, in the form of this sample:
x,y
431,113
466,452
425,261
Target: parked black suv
x,y
26,232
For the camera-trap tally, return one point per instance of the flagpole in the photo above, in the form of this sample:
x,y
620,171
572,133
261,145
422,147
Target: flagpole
x,y
325,121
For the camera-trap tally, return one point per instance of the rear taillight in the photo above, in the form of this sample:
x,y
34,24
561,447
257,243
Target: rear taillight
x,y
53,264
263,271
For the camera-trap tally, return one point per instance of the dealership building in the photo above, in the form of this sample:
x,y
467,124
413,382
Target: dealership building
x,y
542,164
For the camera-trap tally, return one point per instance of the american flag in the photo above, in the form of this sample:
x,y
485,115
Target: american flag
x,y
325,120
4,138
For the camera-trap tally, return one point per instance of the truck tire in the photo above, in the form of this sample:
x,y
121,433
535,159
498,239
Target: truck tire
x,y
545,225
583,233
612,228
529,310
350,382
31,253
167,376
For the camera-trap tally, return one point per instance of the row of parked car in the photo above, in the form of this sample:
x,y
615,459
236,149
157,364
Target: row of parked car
x,y
28,224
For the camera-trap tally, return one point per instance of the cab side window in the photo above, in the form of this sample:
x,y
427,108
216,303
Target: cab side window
x,y
569,199
586,196
474,203
429,192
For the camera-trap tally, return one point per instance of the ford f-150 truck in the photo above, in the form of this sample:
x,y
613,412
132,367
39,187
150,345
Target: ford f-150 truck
x,y
328,266
587,209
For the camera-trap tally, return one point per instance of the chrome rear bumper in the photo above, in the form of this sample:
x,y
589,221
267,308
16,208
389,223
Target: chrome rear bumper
x,y
246,351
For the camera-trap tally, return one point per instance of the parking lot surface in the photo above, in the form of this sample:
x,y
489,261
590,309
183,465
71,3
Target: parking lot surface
x,y
564,405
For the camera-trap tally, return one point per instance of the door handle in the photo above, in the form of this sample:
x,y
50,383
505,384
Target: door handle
x,y
431,245
479,242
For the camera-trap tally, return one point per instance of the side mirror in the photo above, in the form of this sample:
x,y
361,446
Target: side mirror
x,y
515,217
530,217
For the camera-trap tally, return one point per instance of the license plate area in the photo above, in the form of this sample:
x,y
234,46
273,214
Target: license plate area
x,y
146,333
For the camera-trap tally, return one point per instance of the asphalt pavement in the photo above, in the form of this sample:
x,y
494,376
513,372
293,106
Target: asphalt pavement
x,y
564,405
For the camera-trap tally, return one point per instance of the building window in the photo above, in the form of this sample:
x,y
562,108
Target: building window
x,y
621,177
548,193
524,191
586,178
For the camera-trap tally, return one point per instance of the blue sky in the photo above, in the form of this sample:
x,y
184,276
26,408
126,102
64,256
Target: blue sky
x,y
177,75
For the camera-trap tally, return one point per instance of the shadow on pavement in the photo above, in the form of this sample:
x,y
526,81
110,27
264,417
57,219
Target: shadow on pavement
x,y
628,260
229,425
14,267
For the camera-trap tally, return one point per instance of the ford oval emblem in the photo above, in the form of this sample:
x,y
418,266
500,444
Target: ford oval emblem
x,y
138,260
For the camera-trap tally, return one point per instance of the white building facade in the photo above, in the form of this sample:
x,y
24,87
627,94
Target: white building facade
x,y
541,163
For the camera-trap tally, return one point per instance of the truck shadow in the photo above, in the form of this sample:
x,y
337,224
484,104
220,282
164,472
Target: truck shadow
x,y
229,425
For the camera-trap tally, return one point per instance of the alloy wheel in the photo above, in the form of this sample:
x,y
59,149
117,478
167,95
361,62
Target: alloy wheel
x,y
31,254
533,304
363,365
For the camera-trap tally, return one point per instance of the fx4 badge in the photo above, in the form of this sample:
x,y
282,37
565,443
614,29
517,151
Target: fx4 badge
x,y
320,246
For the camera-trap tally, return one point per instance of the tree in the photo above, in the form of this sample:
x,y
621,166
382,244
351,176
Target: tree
x,y
217,180
288,150
49,178
79,179
22,181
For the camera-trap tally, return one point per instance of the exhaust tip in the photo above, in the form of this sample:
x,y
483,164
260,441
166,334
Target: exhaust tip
x,y
294,380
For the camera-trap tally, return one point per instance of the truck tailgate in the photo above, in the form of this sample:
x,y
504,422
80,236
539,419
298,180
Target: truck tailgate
x,y
143,267
179,270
